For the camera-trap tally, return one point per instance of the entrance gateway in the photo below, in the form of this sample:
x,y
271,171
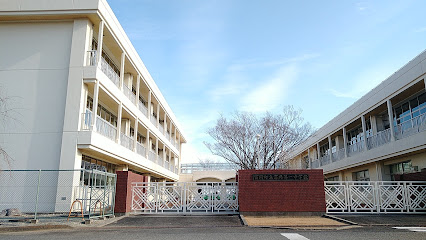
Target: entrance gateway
x,y
185,197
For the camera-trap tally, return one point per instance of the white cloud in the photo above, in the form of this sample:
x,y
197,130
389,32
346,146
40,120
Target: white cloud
x,y
270,94
419,30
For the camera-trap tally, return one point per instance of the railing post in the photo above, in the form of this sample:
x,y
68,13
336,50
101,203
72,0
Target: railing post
x,y
37,196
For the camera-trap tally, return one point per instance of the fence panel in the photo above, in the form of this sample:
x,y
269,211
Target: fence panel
x,y
375,197
43,194
185,198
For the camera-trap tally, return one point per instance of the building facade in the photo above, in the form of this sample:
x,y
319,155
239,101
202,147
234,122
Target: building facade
x,y
208,172
381,137
81,96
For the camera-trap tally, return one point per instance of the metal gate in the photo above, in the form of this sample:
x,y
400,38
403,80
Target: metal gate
x,y
185,198
375,197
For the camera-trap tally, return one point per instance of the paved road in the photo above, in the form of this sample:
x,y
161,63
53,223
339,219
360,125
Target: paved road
x,y
197,233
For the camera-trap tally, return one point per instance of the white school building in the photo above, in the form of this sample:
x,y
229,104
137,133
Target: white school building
x,y
81,95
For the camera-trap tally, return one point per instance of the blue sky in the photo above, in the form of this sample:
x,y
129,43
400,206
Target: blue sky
x,y
214,57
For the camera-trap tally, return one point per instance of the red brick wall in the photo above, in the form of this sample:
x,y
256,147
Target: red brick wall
x,y
123,194
281,196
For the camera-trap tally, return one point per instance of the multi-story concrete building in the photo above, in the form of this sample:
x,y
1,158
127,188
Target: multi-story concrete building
x,y
380,137
81,95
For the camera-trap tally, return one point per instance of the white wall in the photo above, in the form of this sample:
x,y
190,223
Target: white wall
x,y
34,66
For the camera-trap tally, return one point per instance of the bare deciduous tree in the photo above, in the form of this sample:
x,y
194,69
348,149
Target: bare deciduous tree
x,y
254,142
5,116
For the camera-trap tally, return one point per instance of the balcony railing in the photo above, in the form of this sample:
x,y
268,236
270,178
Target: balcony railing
x,y
379,139
315,164
140,149
161,128
105,128
152,156
129,94
325,159
410,127
167,135
126,141
91,57
402,130
355,148
176,170
166,165
86,120
172,140
143,108
109,72
177,145
154,120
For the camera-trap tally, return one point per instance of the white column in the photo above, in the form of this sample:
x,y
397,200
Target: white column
x,y
178,142
165,123
345,142
390,114
364,132
379,170
123,58
149,105
147,144
329,148
95,104
120,109
158,114
164,155
309,158
138,83
170,133
135,140
318,153
156,150
373,122
100,42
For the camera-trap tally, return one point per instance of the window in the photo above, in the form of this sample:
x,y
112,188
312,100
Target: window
x,y
400,168
409,109
334,178
361,176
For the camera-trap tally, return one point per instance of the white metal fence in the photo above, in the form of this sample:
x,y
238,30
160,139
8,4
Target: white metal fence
x,y
375,197
39,193
185,198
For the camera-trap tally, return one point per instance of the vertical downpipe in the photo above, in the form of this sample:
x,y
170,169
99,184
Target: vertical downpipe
x,y
38,191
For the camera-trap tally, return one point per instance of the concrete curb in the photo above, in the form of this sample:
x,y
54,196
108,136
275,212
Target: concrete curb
x,y
309,227
243,220
340,219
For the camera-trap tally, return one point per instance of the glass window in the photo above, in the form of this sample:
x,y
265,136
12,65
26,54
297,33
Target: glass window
x,y
361,175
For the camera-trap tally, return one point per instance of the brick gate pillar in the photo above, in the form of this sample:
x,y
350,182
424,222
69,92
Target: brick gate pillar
x,y
123,192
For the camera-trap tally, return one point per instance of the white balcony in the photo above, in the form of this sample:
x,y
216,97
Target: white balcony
x,y
140,149
152,156
126,141
173,141
379,139
166,165
355,148
143,108
86,120
105,128
154,120
315,164
324,160
91,58
161,128
167,135
410,127
109,72
129,94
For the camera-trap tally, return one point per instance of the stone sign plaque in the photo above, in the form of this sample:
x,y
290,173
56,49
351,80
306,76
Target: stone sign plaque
x,y
280,177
